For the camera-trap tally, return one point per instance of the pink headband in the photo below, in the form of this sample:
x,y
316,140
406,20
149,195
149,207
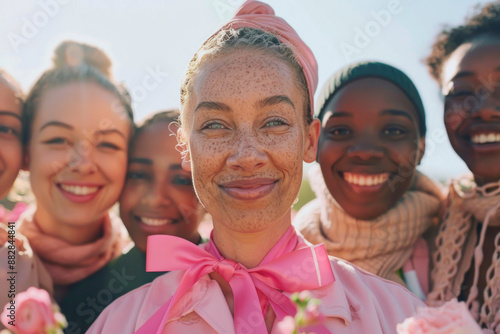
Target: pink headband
x,y
255,14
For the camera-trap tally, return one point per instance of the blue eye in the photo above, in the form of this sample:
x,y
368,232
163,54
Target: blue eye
x,y
276,122
213,126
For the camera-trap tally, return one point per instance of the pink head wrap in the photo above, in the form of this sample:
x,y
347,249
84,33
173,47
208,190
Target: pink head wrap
x,y
256,14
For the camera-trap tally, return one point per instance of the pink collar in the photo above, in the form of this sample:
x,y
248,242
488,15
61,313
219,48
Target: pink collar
x,y
290,266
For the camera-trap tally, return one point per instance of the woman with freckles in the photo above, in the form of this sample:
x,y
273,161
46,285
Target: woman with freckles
x,y
246,129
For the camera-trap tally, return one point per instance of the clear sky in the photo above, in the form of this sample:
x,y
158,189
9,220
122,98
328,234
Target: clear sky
x,y
151,42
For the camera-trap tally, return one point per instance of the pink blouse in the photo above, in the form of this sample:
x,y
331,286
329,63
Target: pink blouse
x,y
356,302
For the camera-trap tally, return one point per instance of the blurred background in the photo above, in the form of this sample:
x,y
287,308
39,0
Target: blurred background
x,y
150,43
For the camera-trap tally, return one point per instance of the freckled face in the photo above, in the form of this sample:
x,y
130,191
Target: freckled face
x,y
471,85
247,139
77,155
158,197
369,146
10,138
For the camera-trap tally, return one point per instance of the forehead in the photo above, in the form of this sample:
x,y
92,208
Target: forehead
x,y
480,56
371,94
82,103
244,75
8,99
155,140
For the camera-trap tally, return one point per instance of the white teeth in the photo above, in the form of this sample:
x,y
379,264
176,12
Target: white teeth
x,y
366,179
79,190
155,222
484,138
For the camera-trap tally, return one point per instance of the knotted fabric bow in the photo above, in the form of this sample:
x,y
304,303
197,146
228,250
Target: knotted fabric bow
x,y
256,14
290,266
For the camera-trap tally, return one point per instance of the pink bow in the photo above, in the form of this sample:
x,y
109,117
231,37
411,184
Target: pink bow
x,y
285,268
256,14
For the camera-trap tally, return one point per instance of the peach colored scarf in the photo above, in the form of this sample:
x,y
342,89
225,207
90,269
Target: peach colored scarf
x,y
68,263
380,246
456,242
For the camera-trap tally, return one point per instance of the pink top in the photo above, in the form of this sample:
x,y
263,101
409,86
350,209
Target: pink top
x,y
356,302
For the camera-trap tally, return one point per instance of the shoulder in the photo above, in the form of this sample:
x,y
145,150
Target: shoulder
x,y
367,293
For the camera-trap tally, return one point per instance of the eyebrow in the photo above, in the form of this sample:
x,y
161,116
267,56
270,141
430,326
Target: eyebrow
x,y
175,167
109,131
340,114
274,100
56,123
468,74
149,162
143,161
10,113
395,112
209,105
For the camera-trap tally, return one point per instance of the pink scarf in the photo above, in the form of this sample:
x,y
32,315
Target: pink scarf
x,y
256,14
253,289
12,216
69,263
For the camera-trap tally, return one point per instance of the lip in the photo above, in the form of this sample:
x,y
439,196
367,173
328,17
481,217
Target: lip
x,y
249,189
79,198
152,229
478,128
365,189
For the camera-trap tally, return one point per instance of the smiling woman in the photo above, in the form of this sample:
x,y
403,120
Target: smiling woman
x,y
77,133
372,205
246,130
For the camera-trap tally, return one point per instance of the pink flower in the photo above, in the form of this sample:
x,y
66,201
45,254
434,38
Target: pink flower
x,y
31,313
286,326
312,315
451,318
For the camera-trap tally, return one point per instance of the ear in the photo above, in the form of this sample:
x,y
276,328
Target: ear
x,y
311,141
420,150
183,149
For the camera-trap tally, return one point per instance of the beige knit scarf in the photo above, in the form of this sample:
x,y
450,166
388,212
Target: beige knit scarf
x,y
380,246
69,263
468,205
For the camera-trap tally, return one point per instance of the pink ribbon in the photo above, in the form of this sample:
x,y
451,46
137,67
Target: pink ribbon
x,y
289,266
256,14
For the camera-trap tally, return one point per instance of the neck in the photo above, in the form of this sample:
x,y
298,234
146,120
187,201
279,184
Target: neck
x,y
249,248
481,181
74,235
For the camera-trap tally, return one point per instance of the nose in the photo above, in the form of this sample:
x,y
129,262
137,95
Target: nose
x,y
248,153
157,195
365,150
487,109
82,159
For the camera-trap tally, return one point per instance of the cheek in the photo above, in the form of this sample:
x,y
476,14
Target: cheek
x,y
130,198
114,166
11,154
329,152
